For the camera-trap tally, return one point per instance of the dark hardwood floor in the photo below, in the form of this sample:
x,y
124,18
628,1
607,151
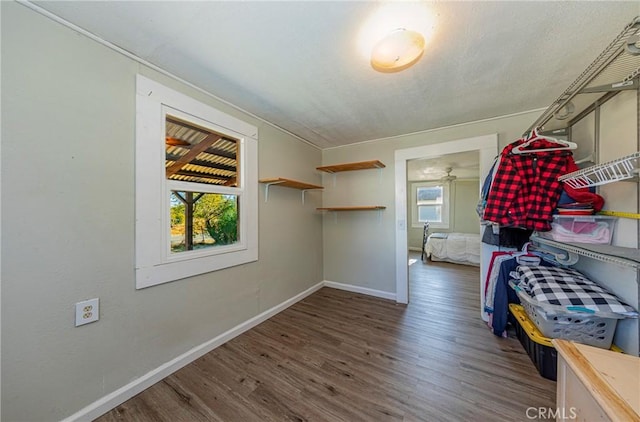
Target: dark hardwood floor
x,y
340,356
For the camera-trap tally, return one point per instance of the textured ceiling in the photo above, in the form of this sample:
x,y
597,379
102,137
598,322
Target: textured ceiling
x,y
464,165
297,64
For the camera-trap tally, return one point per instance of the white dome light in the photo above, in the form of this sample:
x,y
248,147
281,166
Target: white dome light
x,y
397,51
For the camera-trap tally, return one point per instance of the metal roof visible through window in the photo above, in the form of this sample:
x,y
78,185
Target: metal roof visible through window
x,y
195,154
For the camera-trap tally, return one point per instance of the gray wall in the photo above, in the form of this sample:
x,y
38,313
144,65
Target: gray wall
x,y
359,247
465,194
68,117
465,217
617,137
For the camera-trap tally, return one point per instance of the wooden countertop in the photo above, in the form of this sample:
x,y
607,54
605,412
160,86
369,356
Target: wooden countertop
x,y
612,378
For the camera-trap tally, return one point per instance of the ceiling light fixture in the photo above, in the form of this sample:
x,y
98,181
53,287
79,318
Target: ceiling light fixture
x,y
397,51
448,177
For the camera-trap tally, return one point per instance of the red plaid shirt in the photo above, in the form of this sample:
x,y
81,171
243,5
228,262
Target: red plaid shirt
x,y
525,189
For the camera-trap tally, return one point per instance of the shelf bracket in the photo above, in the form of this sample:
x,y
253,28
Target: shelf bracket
x,y
618,86
266,190
561,256
305,190
632,47
567,258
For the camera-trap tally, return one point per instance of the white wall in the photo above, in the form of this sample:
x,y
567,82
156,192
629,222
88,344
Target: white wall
x,y
359,248
618,138
68,115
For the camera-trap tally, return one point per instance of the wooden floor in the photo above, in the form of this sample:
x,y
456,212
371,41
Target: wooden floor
x,y
340,356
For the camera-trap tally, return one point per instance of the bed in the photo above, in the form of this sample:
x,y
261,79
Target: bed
x,y
457,248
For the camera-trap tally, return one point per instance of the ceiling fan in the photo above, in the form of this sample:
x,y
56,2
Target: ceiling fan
x,y
448,177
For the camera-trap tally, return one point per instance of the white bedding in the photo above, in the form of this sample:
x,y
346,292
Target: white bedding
x,y
458,248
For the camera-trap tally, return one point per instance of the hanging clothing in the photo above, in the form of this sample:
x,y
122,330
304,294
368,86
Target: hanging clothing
x,y
497,258
484,192
508,237
525,189
504,295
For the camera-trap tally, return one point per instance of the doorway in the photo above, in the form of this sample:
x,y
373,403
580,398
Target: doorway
x,y
487,147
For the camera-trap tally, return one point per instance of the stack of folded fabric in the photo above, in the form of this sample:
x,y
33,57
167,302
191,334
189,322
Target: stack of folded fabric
x,y
563,303
576,208
569,230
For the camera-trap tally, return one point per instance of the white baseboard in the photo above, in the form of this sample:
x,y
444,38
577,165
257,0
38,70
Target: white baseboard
x,y
412,248
111,400
108,402
358,289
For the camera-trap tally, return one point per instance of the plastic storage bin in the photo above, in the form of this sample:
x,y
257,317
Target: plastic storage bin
x,y
596,229
581,327
540,350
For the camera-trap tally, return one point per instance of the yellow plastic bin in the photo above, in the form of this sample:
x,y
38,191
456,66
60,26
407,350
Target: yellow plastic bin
x,y
538,347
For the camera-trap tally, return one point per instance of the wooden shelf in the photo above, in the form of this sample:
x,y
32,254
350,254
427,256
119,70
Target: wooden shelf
x,y
364,208
362,165
286,183
289,183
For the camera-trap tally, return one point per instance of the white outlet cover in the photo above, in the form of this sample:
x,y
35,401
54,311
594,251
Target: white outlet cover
x,y
87,311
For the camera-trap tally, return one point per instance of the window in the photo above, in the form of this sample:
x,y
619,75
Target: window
x,y
196,187
202,220
430,203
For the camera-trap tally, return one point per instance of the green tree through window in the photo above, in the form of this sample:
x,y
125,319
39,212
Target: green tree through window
x,y
220,216
211,218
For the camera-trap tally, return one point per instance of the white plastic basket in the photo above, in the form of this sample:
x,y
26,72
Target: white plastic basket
x,y
581,327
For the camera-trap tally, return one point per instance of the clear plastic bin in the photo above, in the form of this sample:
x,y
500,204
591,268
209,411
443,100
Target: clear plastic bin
x,y
596,229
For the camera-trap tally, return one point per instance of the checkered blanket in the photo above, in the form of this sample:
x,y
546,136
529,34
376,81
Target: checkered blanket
x,y
553,288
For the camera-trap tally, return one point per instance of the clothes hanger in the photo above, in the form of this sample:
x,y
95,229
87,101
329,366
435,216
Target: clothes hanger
x,y
527,256
548,253
535,136
529,259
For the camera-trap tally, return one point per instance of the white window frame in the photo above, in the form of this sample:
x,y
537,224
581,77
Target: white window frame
x,y
446,205
155,264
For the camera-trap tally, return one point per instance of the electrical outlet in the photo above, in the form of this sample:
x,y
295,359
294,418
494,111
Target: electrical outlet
x,y
87,311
